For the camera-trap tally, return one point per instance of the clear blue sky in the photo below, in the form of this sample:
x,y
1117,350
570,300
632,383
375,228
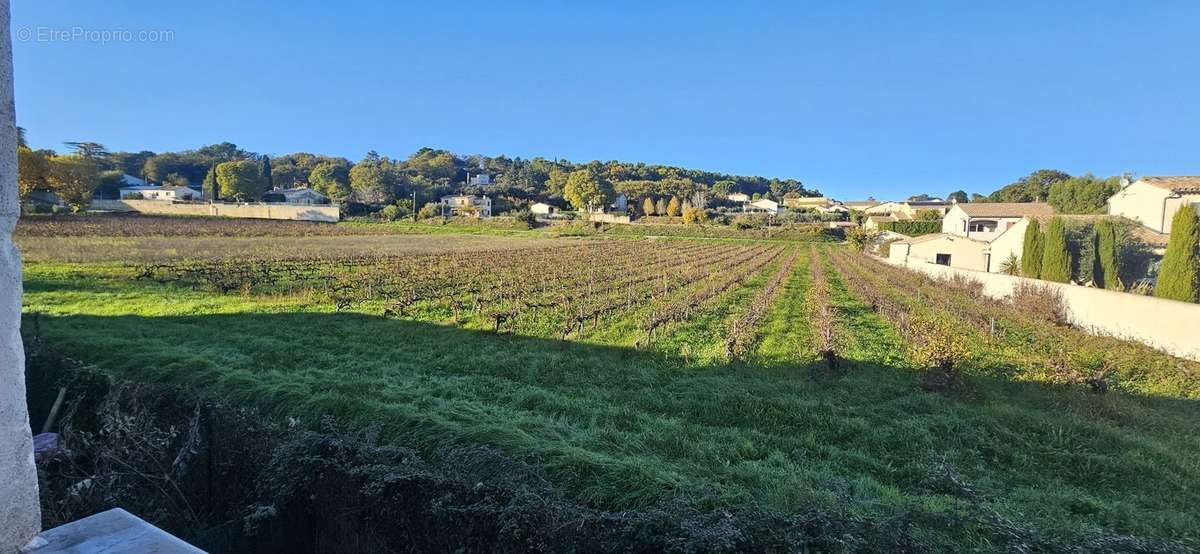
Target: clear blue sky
x,y
854,98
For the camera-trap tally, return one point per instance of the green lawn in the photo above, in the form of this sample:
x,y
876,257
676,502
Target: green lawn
x,y
620,427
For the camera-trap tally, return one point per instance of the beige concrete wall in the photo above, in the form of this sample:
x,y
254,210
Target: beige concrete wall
x,y
20,515
1142,203
1166,325
964,253
254,211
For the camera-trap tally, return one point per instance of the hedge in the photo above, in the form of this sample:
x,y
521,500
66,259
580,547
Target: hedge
x,y
912,228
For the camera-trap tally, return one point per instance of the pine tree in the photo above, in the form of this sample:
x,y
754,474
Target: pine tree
x,y
1179,275
1105,267
1056,260
1031,257
673,207
648,206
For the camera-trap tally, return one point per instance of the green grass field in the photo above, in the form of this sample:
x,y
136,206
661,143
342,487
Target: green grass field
x,y
618,424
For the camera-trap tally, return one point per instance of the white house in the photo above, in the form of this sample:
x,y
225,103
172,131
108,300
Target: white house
x,y
482,180
943,249
909,208
762,206
808,202
1153,201
987,220
861,205
465,204
155,192
737,197
301,195
542,208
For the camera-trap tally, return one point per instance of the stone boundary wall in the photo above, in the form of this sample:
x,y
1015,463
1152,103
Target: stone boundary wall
x,y
608,218
301,212
1167,325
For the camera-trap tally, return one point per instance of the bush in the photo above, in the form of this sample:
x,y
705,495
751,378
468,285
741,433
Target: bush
x,y
526,219
859,237
389,213
1041,301
1179,276
428,211
1056,260
694,216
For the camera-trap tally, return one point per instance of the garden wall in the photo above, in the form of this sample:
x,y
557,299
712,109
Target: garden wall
x,y
246,210
1167,325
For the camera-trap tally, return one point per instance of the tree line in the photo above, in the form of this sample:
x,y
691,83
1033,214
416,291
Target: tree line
x,y
1067,194
225,171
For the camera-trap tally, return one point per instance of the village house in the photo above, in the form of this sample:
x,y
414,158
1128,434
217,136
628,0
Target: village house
x,y
808,202
761,206
860,205
479,180
300,195
465,204
976,236
1153,201
156,192
542,208
737,197
908,209
987,220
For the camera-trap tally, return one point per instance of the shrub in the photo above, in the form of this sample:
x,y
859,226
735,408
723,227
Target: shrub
x,y
389,213
1179,276
526,219
692,216
428,211
1056,260
940,350
859,237
1041,301
1031,259
1011,265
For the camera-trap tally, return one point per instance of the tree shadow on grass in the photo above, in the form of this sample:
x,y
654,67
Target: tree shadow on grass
x,y
621,428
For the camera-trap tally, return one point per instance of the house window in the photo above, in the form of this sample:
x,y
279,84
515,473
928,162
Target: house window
x,y
943,259
982,226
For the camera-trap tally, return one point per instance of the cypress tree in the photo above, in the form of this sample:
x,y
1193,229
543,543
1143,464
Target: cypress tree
x,y
1056,260
210,184
266,169
1105,268
1179,275
1031,256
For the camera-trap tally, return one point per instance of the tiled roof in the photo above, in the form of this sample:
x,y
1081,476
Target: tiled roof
x,y
1006,209
1181,183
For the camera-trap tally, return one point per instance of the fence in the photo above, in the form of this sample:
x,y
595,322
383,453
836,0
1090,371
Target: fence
x,y
1167,325
256,210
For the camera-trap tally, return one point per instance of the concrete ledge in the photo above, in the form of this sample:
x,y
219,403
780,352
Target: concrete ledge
x,y
113,532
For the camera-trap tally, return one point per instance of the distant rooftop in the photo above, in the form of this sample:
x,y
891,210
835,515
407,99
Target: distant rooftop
x,y
1006,209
